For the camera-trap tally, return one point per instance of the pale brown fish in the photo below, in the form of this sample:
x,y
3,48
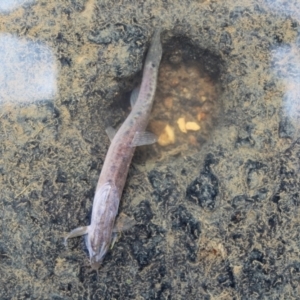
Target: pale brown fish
x,y
118,158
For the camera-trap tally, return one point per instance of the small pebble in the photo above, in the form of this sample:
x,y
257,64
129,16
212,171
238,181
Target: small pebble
x,y
192,126
181,125
167,137
168,102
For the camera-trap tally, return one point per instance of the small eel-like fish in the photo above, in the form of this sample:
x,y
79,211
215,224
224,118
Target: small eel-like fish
x,y
118,158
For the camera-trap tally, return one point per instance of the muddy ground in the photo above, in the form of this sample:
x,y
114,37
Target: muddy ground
x,y
216,211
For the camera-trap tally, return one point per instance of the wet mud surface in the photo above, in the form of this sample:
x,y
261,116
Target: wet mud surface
x,y
217,211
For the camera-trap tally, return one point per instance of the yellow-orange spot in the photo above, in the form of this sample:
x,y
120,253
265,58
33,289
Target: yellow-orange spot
x,y
181,124
192,126
201,116
168,102
167,137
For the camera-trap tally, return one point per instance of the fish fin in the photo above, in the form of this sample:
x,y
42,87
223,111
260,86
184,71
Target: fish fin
x,y
76,232
143,138
134,95
111,132
123,222
114,239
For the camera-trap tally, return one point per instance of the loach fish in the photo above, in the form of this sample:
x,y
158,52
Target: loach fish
x,y
118,158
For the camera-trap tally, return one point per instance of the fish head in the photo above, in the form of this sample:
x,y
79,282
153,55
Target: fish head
x,y
99,235
96,262
97,250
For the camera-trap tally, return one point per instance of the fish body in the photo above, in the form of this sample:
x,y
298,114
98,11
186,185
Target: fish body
x,y
117,161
